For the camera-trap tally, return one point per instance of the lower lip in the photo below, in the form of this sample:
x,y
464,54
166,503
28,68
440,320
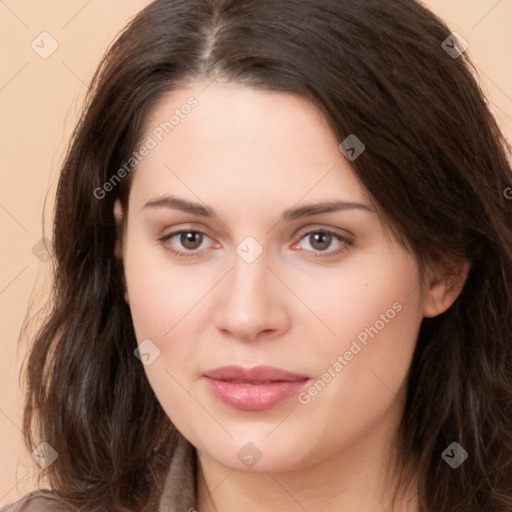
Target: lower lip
x,y
255,397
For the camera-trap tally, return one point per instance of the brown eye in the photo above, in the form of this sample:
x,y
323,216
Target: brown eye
x,y
323,243
191,239
320,240
185,243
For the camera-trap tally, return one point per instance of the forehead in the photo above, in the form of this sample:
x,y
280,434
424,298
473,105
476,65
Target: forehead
x,y
226,141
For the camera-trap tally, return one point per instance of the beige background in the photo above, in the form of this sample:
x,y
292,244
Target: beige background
x,y
39,101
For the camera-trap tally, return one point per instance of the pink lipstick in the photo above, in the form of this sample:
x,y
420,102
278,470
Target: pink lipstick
x,y
253,389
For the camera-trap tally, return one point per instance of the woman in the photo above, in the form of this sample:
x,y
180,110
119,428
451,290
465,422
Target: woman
x,y
283,270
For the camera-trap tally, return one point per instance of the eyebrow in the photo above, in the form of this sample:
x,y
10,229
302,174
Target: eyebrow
x,y
300,212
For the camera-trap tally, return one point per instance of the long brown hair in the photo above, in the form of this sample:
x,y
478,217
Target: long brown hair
x,y
435,164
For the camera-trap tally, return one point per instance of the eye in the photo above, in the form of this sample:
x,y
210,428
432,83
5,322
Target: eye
x,y
190,240
321,240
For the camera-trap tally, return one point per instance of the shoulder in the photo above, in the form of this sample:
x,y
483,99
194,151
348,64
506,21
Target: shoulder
x,y
39,501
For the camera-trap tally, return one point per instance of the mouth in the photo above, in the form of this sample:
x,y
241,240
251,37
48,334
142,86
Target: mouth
x,y
253,389
258,374
250,383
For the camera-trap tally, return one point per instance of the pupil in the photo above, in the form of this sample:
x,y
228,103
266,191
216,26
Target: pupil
x,y
317,238
189,239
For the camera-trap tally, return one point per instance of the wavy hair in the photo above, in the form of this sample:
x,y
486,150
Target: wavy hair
x,y
435,164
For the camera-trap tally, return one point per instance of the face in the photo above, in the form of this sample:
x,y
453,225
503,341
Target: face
x,y
227,265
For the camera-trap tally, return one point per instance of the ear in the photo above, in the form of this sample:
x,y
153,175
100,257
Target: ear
x,y
118,248
118,216
443,289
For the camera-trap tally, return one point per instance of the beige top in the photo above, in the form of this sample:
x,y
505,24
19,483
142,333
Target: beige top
x,y
178,494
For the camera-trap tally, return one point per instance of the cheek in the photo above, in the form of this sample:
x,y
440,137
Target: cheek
x,y
159,300
148,301
364,297
159,294
373,313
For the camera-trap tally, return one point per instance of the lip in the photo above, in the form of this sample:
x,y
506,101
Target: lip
x,y
253,389
258,373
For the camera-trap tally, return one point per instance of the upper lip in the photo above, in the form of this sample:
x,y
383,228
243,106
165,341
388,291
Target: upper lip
x,y
258,373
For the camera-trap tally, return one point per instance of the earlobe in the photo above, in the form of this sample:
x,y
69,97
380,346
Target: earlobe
x,y
443,291
118,211
118,216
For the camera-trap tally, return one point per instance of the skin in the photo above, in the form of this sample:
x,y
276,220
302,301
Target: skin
x,y
250,155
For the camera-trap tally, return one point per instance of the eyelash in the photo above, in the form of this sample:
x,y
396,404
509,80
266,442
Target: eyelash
x,y
317,254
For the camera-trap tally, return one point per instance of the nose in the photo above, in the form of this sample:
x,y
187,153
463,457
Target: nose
x,y
251,304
